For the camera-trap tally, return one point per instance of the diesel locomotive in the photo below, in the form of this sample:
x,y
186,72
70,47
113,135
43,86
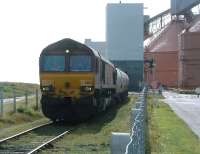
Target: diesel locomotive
x,y
76,81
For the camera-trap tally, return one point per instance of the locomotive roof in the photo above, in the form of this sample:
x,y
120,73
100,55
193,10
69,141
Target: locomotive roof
x,y
68,43
65,44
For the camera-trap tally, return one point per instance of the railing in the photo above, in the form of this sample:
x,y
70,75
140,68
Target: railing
x,y
138,126
14,100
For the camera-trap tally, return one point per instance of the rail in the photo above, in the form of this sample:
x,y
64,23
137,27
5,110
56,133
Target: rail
x,y
138,126
42,146
36,141
23,133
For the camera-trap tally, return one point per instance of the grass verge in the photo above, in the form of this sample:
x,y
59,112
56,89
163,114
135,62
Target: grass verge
x,y
19,88
93,137
168,134
24,118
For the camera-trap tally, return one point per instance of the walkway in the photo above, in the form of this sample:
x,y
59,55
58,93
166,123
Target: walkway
x,y
187,107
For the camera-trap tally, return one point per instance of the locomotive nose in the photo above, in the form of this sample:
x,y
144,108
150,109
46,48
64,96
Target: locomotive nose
x,y
72,85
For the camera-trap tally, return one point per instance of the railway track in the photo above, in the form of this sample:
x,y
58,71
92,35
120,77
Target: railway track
x,y
33,140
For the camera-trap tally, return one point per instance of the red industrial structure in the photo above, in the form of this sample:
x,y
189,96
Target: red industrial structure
x,y
175,51
164,51
189,57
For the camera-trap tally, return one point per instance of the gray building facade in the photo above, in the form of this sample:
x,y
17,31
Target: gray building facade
x,y
98,46
124,37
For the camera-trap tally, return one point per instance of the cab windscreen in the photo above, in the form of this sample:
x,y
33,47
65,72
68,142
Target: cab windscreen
x,y
80,63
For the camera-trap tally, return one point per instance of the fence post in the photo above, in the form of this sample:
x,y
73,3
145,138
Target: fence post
x,y
37,99
26,98
14,101
1,100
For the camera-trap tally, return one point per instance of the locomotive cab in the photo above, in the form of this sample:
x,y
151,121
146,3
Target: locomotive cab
x,y
76,81
67,73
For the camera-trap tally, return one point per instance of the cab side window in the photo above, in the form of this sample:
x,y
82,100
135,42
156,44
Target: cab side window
x,y
114,77
103,75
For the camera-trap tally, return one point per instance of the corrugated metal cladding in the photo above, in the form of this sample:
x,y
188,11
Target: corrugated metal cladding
x,y
125,36
189,56
177,6
165,71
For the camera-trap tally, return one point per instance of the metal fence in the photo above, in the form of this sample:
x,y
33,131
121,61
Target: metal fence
x,y
138,126
15,99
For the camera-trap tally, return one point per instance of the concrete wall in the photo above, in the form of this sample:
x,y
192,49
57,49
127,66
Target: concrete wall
x,y
125,36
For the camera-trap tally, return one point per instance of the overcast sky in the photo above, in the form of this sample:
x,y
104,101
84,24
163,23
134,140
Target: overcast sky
x,y
27,26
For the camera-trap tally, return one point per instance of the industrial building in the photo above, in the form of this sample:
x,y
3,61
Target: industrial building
x,y
124,37
189,57
163,49
124,40
173,43
99,46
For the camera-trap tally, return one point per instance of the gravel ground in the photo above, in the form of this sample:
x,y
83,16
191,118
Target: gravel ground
x,y
187,107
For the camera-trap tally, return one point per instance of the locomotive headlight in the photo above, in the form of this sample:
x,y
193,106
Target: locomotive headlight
x,y
86,88
47,88
67,51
